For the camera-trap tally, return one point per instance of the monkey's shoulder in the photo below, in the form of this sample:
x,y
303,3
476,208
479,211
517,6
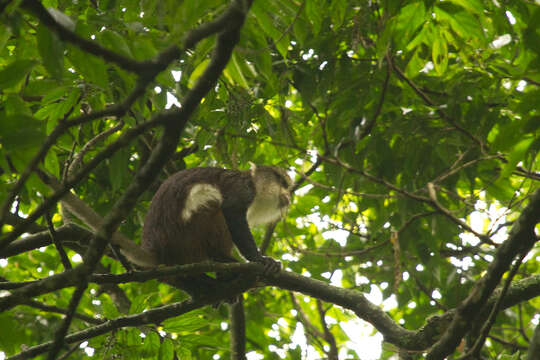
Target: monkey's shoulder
x,y
237,188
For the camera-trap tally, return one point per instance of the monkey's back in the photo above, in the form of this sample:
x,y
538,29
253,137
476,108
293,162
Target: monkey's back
x,y
185,222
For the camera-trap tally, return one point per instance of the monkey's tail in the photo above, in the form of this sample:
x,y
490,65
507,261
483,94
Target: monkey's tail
x,y
133,252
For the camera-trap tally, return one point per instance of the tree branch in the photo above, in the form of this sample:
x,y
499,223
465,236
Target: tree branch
x,y
520,241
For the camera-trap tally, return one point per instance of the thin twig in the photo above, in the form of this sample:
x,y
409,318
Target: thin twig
x,y
63,256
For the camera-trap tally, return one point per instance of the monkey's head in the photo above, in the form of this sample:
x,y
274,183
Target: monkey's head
x,y
272,197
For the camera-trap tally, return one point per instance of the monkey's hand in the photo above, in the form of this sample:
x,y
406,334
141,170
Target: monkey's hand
x,y
271,266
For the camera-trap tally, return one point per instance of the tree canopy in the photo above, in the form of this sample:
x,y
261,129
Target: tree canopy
x,y
410,128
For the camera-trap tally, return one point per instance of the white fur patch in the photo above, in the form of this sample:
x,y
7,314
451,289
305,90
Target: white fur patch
x,y
200,196
265,207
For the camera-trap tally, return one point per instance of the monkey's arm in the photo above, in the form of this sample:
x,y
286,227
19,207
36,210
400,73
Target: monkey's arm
x,y
243,239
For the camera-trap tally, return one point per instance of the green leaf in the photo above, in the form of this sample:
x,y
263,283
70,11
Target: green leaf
x,y
464,24
439,54
89,67
52,165
114,41
15,72
234,72
197,72
51,50
314,13
517,155
20,132
414,65
166,350
152,343
473,6
409,19
339,10
119,170
5,33
14,105
189,322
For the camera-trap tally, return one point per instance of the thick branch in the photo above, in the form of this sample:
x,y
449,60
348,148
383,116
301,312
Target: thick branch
x,y
71,235
421,339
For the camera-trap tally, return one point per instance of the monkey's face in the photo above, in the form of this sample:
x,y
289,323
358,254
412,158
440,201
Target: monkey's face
x,y
272,196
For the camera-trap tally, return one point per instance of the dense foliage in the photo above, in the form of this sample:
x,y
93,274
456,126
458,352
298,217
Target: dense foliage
x,y
411,129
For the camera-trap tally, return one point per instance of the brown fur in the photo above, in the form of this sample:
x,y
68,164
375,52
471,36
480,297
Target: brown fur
x,y
205,236
209,232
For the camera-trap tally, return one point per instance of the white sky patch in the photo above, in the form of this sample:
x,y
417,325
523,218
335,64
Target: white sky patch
x,y
463,264
3,262
511,18
172,100
366,265
298,337
289,257
360,279
339,236
87,349
313,154
375,295
390,303
157,90
303,190
280,352
288,103
405,276
428,67
253,128
274,334
521,85
335,280
253,355
405,111
2,355
362,340
176,74
76,258
501,41
308,55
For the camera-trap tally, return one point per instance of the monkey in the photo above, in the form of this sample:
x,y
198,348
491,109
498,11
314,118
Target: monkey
x,y
198,215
